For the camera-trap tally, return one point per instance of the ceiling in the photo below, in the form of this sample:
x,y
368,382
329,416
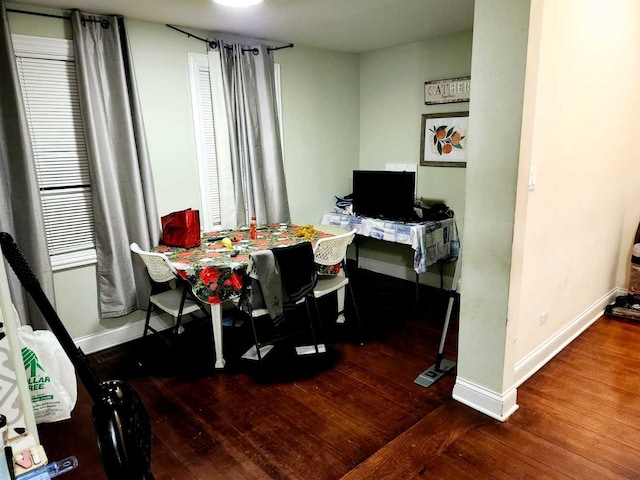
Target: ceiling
x,y
345,25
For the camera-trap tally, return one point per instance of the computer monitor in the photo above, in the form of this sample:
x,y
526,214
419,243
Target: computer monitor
x,y
384,194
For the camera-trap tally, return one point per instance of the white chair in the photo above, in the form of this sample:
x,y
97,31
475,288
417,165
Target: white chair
x,y
333,251
175,301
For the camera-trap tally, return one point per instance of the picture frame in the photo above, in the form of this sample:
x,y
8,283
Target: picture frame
x,y
443,139
451,90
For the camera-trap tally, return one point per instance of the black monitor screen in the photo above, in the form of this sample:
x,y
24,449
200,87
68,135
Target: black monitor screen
x,y
384,194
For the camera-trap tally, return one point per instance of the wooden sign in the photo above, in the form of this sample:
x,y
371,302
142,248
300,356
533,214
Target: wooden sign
x,y
452,90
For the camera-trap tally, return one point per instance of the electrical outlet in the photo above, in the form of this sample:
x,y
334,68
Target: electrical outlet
x,y
533,177
544,316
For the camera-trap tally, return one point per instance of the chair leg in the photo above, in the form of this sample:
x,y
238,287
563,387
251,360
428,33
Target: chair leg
x,y
179,317
357,314
340,298
255,338
146,323
353,302
310,315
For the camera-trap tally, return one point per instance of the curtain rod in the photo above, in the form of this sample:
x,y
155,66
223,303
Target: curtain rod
x,y
85,18
39,14
214,44
211,43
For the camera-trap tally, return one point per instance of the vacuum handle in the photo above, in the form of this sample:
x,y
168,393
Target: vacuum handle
x,y
27,278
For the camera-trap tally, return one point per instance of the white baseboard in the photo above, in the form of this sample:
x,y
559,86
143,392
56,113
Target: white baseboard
x,y
402,272
501,406
498,406
530,364
113,337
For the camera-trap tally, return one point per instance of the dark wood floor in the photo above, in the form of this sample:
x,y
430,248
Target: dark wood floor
x,y
357,414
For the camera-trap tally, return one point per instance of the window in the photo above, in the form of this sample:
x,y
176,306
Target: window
x,y
202,104
47,74
203,119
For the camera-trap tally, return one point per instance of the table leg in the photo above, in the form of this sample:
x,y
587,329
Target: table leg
x,y
216,323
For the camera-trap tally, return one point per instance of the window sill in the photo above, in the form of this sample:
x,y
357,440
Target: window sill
x,y
72,260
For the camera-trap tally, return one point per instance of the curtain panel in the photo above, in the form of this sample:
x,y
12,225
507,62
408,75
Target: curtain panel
x,y
123,196
20,207
253,143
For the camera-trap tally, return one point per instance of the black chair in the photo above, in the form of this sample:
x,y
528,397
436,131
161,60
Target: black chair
x,y
274,307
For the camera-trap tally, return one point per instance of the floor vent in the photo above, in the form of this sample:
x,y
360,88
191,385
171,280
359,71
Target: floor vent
x,y
109,354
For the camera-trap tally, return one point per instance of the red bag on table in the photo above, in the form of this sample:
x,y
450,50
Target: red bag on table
x,y
181,229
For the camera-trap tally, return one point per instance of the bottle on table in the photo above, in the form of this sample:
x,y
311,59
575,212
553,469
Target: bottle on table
x,y
253,228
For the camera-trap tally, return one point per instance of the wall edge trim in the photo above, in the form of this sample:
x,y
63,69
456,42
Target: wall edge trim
x,y
111,338
497,406
535,360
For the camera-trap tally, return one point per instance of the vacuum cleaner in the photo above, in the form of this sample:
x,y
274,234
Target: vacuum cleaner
x,y
120,420
628,306
442,366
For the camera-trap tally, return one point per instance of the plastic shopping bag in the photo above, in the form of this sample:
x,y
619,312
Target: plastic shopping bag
x,y
50,375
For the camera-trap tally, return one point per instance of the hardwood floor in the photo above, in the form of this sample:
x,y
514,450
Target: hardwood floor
x,y
357,414
579,418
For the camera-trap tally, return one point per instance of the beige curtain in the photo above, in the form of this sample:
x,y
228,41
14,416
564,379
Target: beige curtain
x,y
20,207
124,200
257,166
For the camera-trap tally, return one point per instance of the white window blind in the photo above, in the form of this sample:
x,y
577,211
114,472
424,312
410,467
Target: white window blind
x,y
202,103
50,92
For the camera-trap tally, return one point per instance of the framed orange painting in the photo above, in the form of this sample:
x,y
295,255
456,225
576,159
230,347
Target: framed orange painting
x,y
443,139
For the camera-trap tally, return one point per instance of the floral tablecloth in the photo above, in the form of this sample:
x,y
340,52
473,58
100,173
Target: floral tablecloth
x,y
431,241
214,274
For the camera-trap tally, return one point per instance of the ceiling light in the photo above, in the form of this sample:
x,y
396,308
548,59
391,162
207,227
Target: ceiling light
x,y
238,3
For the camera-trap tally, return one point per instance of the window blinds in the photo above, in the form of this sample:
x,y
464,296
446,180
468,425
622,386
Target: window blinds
x,y
50,93
202,103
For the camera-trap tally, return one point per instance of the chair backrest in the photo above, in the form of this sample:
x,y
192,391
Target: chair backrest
x,y
297,270
333,250
158,265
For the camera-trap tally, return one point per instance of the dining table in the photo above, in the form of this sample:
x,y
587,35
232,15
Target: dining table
x,y
216,269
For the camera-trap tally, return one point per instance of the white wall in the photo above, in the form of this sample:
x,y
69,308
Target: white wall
x,y
321,124
38,25
391,108
160,60
497,90
583,101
